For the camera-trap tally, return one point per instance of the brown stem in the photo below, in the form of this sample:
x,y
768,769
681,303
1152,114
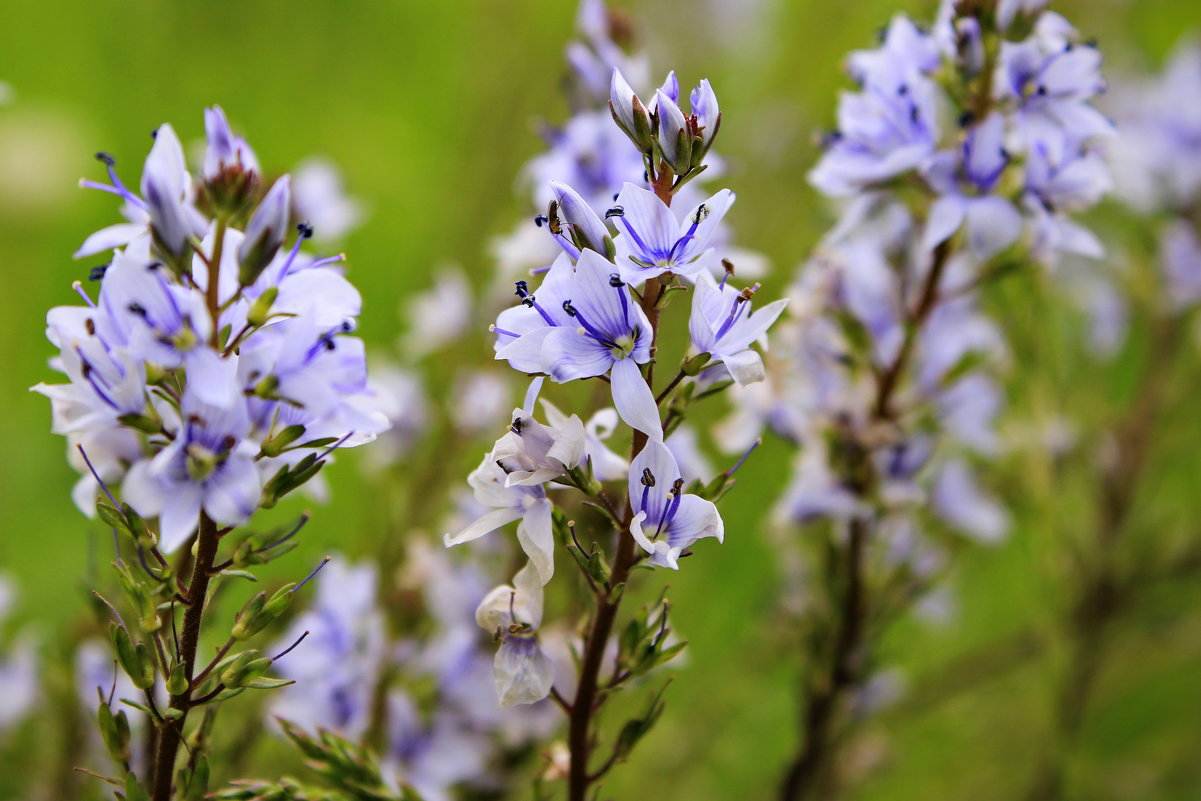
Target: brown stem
x,y
583,707
171,734
891,377
809,770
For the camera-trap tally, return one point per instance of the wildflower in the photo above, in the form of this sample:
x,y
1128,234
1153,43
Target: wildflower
x,y
966,184
524,673
654,241
723,326
507,503
666,520
208,465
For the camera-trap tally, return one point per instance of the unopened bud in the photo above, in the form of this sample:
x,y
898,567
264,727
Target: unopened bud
x,y
265,232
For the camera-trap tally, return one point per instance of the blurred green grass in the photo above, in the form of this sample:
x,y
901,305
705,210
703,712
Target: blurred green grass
x,y
430,110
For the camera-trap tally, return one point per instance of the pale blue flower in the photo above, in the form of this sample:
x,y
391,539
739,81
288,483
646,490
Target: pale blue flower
x,y
653,240
723,326
666,520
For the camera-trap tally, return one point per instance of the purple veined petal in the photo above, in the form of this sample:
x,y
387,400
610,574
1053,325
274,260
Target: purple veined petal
x,y
698,240
634,400
232,493
695,519
523,673
660,550
569,354
536,535
486,524
649,225
653,463
993,224
946,215
745,366
606,307
114,236
179,517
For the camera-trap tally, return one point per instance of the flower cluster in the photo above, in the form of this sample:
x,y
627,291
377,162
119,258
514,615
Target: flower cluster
x,y
625,251
214,370
1012,148
448,734
962,157
597,159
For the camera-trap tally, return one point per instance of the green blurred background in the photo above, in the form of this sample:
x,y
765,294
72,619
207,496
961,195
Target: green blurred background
x,y
430,109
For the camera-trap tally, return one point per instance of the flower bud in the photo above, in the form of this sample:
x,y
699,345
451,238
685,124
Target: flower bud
x,y
275,445
114,730
265,232
246,668
585,227
245,618
177,682
706,120
134,659
675,141
695,365
629,113
165,190
260,310
231,171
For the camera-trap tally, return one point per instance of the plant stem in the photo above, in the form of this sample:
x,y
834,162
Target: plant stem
x,y
809,772
171,734
584,705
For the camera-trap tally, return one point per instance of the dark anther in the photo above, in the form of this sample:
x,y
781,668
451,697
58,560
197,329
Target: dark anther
x,y
97,272
105,158
228,444
903,90
728,266
616,211
523,289
677,487
914,114
648,478
347,326
138,309
702,211
1042,90
966,119
528,301
540,220
615,280
746,294
329,343
90,325
516,425
567,307
154,265
154,134
304,229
